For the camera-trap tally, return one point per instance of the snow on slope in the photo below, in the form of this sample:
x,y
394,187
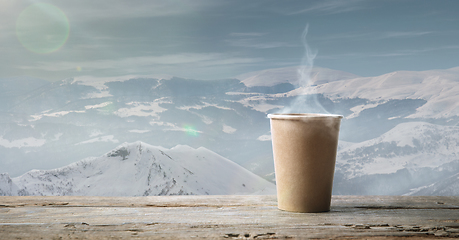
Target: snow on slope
x,y
439,88
444,187
139,169
272,77
408,145
7,187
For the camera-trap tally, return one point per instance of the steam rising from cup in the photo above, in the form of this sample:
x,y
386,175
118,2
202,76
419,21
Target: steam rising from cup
x,y
305,102
304,71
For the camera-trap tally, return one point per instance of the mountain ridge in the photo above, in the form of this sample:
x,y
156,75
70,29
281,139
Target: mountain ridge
x,y
140,169
272,77
69,120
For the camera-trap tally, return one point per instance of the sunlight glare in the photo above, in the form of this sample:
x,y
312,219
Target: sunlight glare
x,y
190,130
42,28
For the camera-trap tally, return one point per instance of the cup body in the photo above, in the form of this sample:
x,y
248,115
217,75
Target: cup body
x,y
304,149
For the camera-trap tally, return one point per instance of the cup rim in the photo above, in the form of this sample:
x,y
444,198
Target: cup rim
x,y
303,115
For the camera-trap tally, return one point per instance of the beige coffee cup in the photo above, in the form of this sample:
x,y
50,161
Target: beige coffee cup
x,y
304,149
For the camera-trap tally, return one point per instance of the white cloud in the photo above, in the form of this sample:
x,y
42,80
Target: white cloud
x,y
255,40
228,129
20,143
404,34
410,52
332,7
256,43
264,138
394,53
247,34
353,36
136,64
92,10
108,138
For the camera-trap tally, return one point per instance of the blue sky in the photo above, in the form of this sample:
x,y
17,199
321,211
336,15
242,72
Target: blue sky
x,y
214,39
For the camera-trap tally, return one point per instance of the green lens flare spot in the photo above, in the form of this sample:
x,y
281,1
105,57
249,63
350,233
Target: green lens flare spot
x,y
109,108
42,28
190,130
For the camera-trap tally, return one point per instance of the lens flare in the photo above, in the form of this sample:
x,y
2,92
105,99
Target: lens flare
x,y
42,28
190,130
108,109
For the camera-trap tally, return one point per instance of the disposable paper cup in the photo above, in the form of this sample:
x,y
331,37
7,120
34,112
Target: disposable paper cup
x,y
304,148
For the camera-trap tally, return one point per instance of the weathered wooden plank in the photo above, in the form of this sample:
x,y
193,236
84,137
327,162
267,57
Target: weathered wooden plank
x,y
227,200
225,217
150,201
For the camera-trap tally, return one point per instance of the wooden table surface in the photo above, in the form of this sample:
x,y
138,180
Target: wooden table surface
x,y
225,217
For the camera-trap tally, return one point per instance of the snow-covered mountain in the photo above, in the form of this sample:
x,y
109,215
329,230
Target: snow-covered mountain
x,y
398,131
445,187
7,187
139,169
439,88
408,156
276,76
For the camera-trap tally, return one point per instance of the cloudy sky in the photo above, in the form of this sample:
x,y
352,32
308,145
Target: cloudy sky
x,y
214,39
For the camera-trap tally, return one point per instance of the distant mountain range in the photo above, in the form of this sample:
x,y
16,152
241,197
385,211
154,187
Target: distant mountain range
x,y
410,154
446,187
398,134
139,169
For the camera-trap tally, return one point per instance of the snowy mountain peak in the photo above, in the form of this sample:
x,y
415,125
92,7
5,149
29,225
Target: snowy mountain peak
x,y
140,169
